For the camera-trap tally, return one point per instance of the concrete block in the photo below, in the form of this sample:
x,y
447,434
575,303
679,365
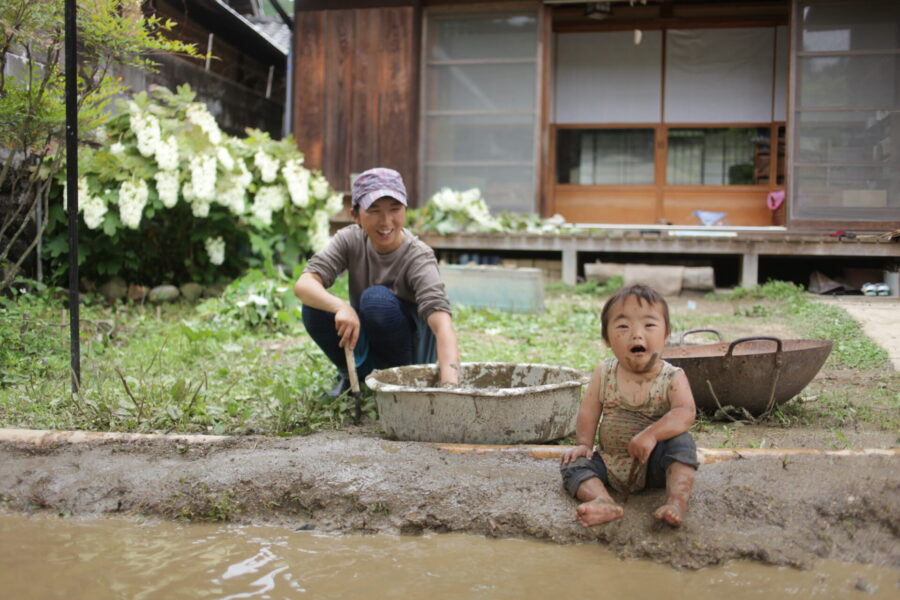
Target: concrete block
x,y
700,279
513,290
664,279
602,272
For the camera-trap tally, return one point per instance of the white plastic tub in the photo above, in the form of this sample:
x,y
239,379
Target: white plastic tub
x,y
496,403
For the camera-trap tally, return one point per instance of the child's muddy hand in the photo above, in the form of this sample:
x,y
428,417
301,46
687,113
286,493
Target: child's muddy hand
x,y
574,453
641,446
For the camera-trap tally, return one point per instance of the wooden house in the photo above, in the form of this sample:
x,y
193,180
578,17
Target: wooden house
x,y
624,113
243,83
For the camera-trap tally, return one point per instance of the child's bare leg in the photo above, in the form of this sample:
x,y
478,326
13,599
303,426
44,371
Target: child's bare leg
x,y
679,482
597,505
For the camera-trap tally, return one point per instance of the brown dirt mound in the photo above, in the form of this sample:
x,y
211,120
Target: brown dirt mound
x,y
781,511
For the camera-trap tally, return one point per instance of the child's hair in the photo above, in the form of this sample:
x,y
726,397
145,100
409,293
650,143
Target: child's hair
x,y
643,293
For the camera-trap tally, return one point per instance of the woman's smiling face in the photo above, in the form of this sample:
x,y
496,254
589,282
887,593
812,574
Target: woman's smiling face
x,y
383,222
637,332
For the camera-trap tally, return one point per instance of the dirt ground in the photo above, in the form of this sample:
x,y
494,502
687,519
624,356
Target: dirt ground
x,y
879,318
778,510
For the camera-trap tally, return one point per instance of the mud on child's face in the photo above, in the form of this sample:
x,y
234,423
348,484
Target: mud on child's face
x,y
637,333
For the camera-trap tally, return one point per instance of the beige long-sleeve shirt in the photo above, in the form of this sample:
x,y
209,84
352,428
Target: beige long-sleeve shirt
x,y
410,271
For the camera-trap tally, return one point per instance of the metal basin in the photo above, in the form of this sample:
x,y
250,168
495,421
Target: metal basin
x,y
755,373
496,403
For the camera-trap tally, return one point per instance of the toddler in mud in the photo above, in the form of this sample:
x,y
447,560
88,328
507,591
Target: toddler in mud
x,y
644,408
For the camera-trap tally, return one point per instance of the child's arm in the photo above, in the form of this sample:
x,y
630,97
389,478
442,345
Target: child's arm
x,y
588,417
679,419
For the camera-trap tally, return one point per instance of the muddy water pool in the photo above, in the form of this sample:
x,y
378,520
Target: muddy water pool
x,y
44,557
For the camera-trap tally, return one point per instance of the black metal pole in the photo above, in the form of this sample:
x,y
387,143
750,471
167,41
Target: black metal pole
x,y
72,187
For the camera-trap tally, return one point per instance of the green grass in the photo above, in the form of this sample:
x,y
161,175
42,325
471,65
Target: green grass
x,y
566,333
178,368
231,366
813,320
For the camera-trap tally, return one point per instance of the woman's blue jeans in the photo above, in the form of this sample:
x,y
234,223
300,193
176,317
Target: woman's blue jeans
x,y
391,333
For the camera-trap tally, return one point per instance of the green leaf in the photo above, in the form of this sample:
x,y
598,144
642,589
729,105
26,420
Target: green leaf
x,y
111,223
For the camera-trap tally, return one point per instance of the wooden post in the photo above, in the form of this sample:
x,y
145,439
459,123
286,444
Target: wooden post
x,y
209,46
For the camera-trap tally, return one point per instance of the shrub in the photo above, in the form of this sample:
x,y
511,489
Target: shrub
x,y
169,197
32,110
450,211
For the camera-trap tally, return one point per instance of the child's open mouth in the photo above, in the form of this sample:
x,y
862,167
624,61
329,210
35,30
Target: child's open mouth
x,y
637,349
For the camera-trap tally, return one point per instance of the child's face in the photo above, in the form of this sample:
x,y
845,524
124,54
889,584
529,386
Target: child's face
x,y
637,333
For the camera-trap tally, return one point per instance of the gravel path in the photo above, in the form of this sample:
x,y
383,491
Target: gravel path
x,y
879,317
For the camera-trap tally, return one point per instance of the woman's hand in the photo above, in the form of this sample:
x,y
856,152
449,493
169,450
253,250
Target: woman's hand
x,y
346,321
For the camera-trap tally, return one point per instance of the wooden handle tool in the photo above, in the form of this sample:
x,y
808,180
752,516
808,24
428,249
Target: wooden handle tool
x,y
354,382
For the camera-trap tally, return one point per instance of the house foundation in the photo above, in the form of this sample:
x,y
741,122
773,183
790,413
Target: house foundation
x,y
749,245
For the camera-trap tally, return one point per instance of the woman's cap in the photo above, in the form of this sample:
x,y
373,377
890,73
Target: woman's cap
x,y
377,183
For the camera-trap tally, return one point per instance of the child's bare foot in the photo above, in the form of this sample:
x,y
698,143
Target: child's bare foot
x,y
679,481
671,513
598,512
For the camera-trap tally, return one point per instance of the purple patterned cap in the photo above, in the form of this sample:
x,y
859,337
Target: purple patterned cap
x,y
377,183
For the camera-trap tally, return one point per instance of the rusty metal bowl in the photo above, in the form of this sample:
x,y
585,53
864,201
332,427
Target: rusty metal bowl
x,y
755,373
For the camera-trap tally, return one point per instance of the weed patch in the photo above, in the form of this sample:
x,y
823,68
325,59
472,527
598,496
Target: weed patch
x,y
813,320
221,368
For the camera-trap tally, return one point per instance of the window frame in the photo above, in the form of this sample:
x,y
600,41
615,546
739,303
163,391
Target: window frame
x,y
661,151
820,216
537,113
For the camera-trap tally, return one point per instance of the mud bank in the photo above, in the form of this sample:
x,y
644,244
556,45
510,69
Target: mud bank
x,y
784,511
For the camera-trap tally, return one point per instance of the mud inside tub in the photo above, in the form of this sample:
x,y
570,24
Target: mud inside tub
x,y
481,377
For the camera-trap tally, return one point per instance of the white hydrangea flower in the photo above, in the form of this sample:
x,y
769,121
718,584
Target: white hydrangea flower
x,y
167,187
84,191
215,249
320,188
267,165
465,210
232,194
203,176
187,191
94,209
200,207
297,178
471,197
319,231
132,199
245,178
199,115
334,204
225,158
262,213
446,200
269,198
167,154
117,148
146,130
